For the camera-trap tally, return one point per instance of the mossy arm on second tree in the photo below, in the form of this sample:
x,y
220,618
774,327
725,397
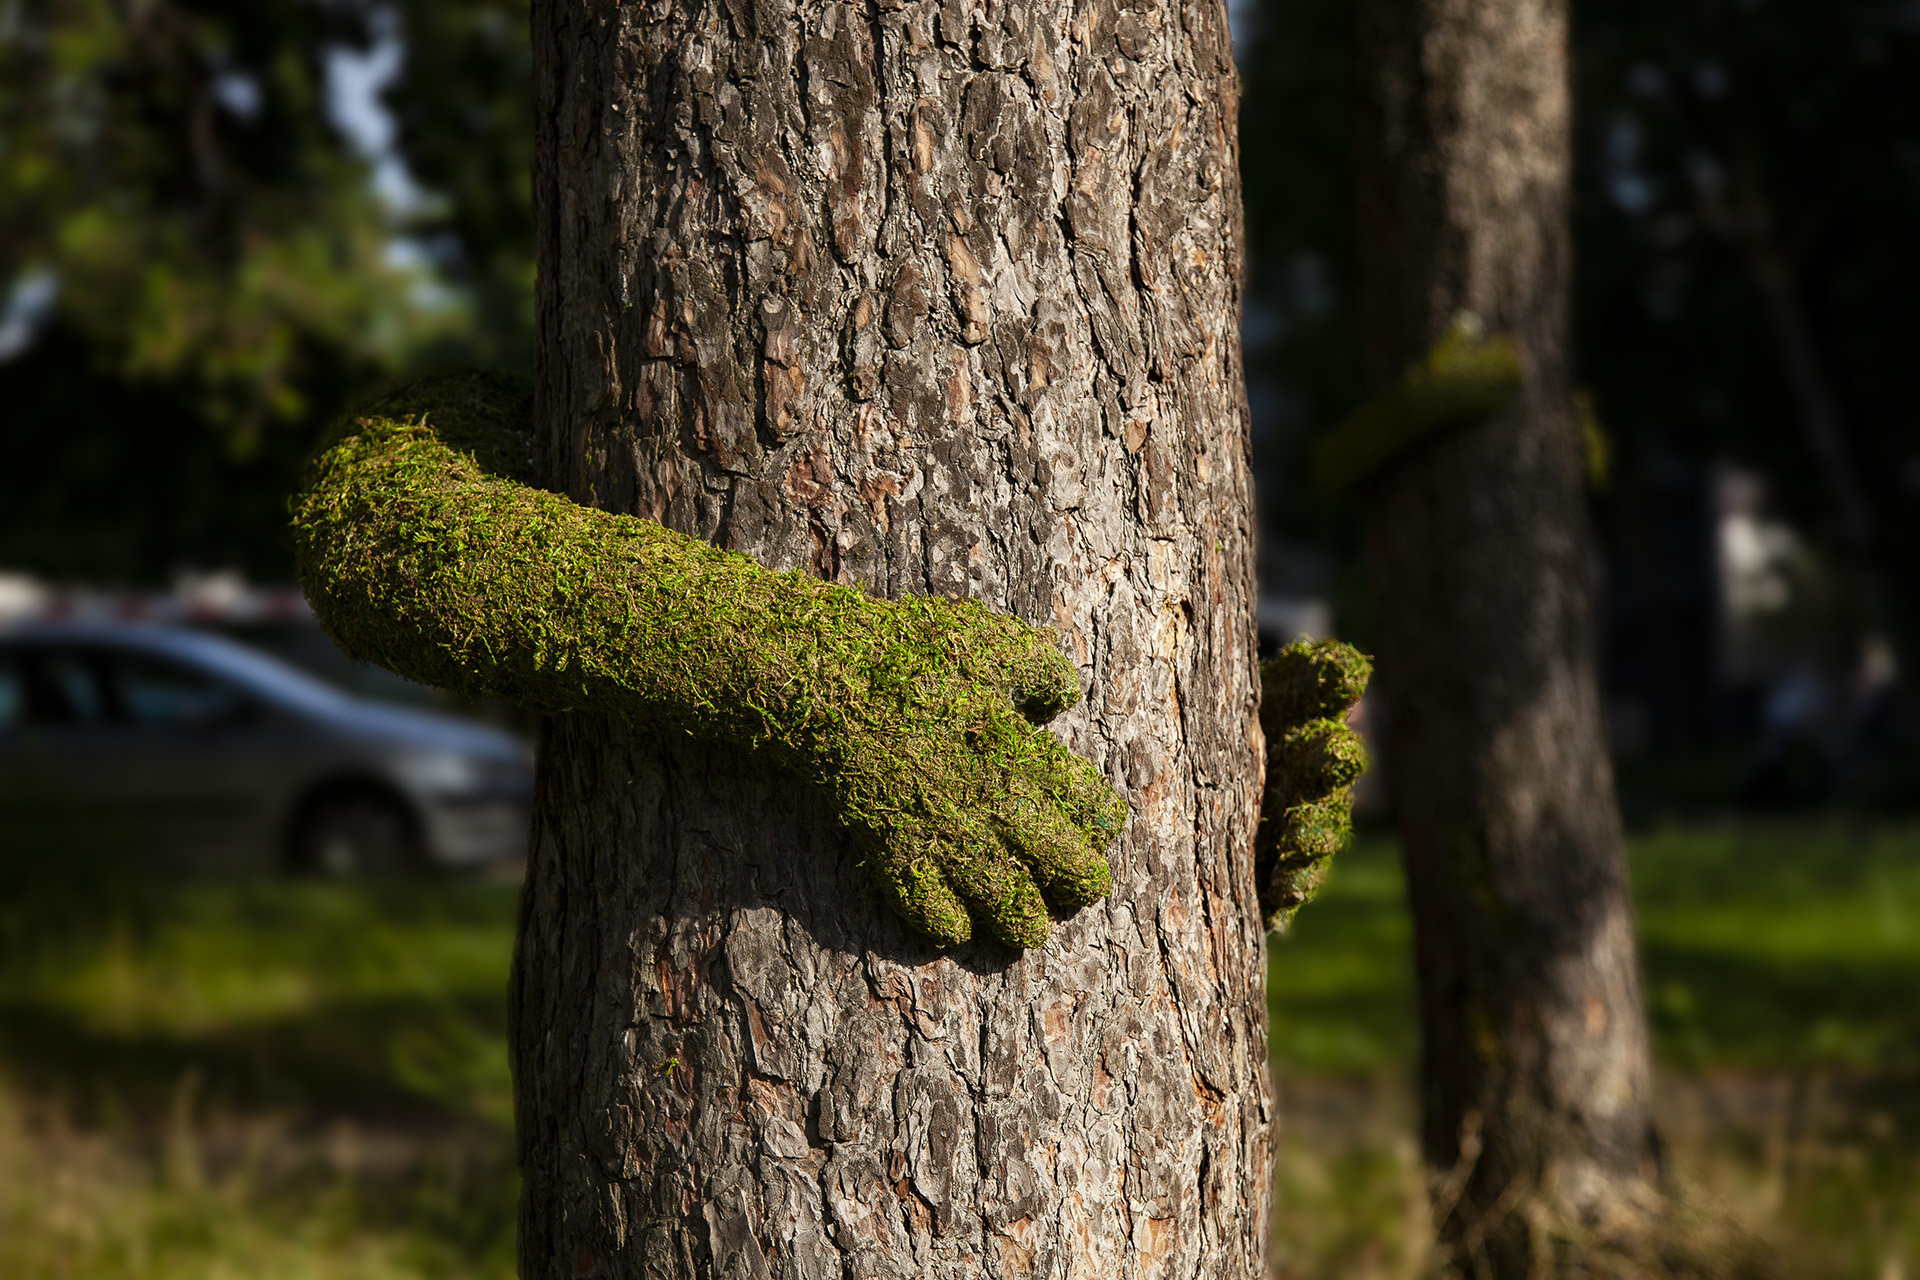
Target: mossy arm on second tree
x,y
423,550
1465,376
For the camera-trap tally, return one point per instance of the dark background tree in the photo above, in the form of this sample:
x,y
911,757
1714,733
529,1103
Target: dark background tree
x,y
1535,1077
1697,126
1690,121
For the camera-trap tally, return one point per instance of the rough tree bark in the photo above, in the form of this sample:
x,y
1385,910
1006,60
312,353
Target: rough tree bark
x,y
928,298
1535,1074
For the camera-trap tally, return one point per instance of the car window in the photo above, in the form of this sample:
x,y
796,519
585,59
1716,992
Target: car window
x,y
157,693
62,688
13,694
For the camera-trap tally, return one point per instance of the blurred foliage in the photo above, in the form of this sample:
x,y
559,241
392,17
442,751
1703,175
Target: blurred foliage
x,y
1715,131
464,107
1747,223
171,168
217,268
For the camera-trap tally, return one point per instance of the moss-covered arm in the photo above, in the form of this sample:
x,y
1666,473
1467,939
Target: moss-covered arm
x,y
1464,377
422,551
1313,759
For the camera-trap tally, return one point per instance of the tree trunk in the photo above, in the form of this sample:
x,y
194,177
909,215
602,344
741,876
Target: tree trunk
x,y
928,299
1535,1075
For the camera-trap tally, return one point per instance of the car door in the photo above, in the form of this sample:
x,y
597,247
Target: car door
x,y
199,756
60,787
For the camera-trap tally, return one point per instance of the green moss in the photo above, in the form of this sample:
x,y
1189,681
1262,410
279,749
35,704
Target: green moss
x,y
1313,760
1308,681
423,552
1596,448
1464,377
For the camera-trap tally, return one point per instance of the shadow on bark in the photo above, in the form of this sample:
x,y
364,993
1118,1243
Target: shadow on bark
x,y
718,833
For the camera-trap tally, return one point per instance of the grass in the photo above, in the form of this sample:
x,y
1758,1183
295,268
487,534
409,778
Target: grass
x,y
1783,946
257,1079
1775,946
1782,969
276,1079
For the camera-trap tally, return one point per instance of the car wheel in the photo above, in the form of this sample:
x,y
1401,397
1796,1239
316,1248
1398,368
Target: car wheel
x,y
354,833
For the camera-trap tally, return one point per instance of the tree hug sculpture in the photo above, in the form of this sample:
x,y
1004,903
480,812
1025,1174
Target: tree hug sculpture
x,y
425,549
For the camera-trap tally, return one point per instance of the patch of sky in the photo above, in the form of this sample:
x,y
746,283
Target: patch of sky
x,y
28,304
1243,20
1632,191
424,258
238,92
355,80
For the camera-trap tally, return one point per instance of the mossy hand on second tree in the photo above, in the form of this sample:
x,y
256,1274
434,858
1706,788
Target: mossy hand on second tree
x,y
1313,760
422,550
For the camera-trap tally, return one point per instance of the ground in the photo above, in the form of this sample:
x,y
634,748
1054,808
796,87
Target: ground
x,y
1782,963
282,1079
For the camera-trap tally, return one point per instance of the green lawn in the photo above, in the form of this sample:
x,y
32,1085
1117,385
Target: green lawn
x,y
255,1080
1782,968
275,1079
1765,946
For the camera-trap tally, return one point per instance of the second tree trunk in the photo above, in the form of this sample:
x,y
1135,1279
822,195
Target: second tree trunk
x,y
1535,1079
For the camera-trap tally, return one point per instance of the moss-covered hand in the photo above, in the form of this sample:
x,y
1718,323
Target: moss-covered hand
x,y
423,550
1313,759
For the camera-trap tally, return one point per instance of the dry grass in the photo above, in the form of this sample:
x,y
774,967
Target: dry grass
x,y
1814,1176
230,1197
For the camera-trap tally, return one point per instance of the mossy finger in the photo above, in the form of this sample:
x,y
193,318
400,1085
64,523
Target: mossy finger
x,y
1293,849
1315,759
1069,871
1316,830
1001,895
1307,680
1056,775
912,884
1291,888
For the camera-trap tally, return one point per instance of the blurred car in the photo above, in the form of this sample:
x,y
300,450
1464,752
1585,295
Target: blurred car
x,y
187,748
